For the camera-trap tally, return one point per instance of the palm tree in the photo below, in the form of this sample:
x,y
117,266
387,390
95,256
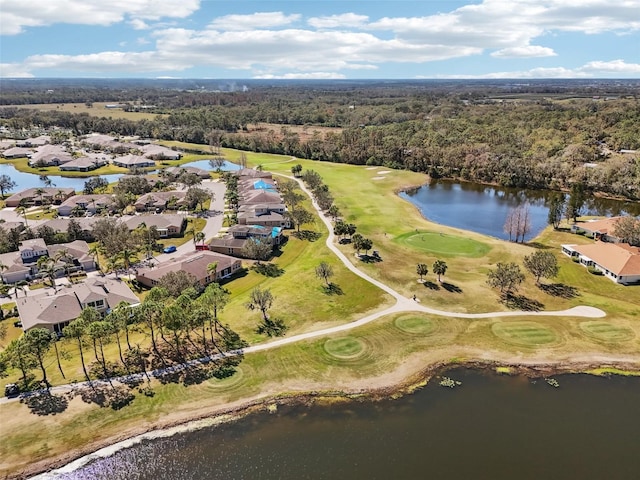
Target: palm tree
x,y
199,237
19,286
127,256
64,256
47,268
422,269
95,251
439,268
76,329
40,192
212,270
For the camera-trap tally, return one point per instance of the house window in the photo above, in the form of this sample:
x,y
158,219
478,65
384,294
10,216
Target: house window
x,y
99,303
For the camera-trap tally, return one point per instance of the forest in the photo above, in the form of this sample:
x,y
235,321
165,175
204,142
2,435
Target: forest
x,y
541,136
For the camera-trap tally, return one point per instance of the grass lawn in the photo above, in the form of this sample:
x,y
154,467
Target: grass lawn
x,y
445,245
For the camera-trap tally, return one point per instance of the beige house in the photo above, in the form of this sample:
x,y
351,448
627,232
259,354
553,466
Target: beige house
x,y
38,196
54,311
196,264
158,152
167,225
599,229
89,203
133,161
154,201
619,262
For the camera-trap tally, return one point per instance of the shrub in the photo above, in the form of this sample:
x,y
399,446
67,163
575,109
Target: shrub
x,y
594,271
575,259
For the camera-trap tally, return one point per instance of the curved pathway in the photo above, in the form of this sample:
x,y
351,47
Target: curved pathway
x,y
403,304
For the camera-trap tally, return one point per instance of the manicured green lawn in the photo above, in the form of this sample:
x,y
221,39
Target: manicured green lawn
x,y
443,244
530,334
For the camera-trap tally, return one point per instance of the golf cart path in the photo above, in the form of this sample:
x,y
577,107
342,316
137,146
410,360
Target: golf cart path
x,y
402,305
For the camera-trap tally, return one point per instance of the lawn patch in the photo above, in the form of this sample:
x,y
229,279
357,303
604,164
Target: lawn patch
x,y
416,325
344,348
443,244
606,331
529,334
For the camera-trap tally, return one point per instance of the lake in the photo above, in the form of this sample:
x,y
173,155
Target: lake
x,y
491,427
484,209
31,180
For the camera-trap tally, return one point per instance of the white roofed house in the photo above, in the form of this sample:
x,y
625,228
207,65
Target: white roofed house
x,y
48,155
133,161
158,152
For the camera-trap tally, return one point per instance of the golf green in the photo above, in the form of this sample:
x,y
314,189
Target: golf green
x,y
443,244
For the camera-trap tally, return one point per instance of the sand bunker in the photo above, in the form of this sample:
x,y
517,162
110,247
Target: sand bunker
x,y
378,178
384,172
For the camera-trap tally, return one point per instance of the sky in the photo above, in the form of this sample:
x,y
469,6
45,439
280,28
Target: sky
x,y
320,39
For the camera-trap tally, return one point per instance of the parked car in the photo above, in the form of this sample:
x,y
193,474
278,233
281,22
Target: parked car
x,y
11,390
169,249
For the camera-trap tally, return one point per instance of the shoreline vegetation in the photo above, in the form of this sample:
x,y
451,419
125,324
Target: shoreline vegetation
x,y
393,359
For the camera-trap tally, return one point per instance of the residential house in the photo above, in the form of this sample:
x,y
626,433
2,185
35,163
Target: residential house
x,y
87,203
54,311
133,161
234,241
84,164
264,214
167,225
49,155
61,225
177,171
16,152
39,196
619,262
158,152
255,197
196,264
32,250
23,264
252,173
158,201
34,142
599,229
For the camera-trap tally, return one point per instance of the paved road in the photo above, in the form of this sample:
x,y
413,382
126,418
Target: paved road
x,y
403,304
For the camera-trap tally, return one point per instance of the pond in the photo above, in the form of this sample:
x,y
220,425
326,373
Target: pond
x,y
490,427
484,209
204,165
29,180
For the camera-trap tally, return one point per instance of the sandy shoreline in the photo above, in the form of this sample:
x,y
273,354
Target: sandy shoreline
x,y
209,416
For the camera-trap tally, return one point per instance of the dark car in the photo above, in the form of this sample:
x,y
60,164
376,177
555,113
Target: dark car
x,y
11,390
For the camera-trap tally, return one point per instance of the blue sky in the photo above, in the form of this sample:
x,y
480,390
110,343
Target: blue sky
x,y
320,39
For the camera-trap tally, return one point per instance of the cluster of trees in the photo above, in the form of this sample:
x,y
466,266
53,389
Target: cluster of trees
x,y
534,144
627,229
507,277
439,268
181,327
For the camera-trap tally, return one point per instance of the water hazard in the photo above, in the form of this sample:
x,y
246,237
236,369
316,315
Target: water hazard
x,y
484,209
491,427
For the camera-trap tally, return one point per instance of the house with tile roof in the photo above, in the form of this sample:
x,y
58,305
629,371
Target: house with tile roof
x,y
196,264
619,262
167,225
601,229
39,196
155,201
55,310
89,203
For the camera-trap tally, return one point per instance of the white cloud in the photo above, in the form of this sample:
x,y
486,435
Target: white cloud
x,y
14,70
302,76
139,24
18,14
253,21
596,69
613,67
528,51
350,20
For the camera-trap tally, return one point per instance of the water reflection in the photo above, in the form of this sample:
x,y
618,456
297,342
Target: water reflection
x,y
484,209
491,427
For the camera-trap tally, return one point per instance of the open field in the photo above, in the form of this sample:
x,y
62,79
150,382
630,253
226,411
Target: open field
x,y
385,353
97,109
